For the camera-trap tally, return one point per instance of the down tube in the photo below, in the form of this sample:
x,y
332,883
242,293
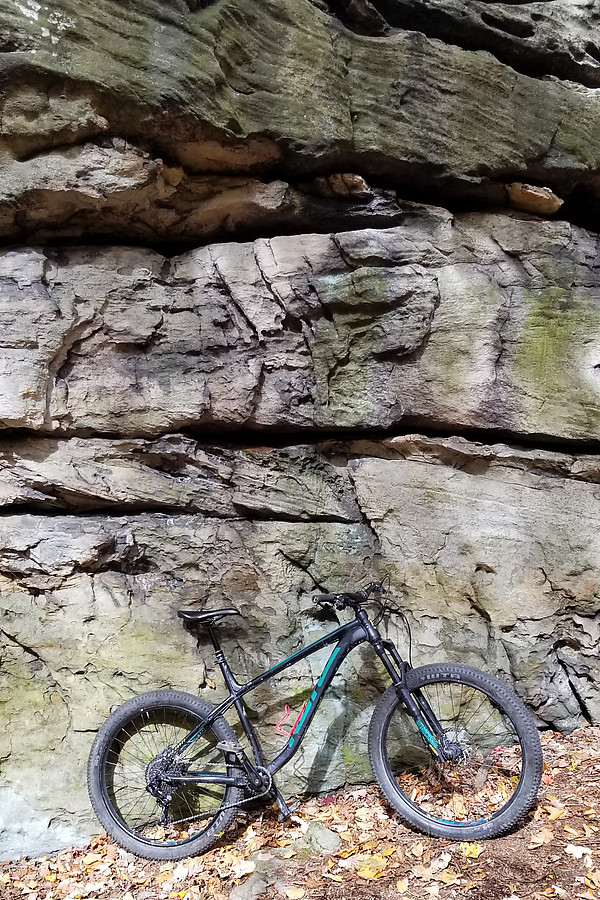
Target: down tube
x,y
337,656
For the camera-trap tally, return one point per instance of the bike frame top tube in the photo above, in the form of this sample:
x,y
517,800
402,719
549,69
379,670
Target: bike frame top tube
x,y
345,638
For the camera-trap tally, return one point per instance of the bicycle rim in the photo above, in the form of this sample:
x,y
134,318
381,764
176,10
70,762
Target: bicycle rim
x,y
483,778
192,807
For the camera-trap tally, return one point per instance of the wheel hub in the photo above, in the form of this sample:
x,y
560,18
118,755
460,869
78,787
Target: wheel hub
x,y
452,751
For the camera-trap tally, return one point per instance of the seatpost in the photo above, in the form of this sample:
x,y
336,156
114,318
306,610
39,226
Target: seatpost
x,y
213,637
228,676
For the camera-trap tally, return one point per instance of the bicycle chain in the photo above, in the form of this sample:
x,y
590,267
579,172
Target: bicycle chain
x,y
220,809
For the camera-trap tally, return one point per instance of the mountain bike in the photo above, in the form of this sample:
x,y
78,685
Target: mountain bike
x,y
453,749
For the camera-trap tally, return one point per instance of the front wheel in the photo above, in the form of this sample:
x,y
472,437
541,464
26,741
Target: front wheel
x,y
493,765
129,770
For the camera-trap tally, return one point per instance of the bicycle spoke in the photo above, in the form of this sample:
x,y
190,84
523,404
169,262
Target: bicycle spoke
x,y
479,781
128,765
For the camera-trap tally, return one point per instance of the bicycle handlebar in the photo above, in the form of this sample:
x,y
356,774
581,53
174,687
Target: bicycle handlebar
x,y
350,598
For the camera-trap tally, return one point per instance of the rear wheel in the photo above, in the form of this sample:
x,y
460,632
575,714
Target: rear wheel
x,y
493,775
128,776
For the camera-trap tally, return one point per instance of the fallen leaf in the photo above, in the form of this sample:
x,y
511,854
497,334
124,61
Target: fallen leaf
x,y
421,871
578,852
554,812
180,872
440,862
244,867
364,812
540,838
471,850
402,885
479,875
294,893
373,869
301,822
448,877
332,876
417,849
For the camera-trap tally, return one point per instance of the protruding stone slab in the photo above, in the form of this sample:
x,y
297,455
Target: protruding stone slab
x,y
475,321
244,86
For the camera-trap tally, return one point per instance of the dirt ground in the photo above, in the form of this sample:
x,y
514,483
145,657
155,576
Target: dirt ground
x,y
554,853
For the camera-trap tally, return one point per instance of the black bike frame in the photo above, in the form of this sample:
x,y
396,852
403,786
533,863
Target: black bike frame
x,y
345,638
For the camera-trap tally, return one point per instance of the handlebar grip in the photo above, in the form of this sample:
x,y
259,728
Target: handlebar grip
x,y
325,598
356,596
350,597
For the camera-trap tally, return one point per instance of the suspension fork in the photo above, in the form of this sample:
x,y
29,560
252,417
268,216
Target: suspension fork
x,y
416,704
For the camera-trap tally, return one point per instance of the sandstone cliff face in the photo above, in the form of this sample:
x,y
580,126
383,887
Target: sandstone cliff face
x,y
278,315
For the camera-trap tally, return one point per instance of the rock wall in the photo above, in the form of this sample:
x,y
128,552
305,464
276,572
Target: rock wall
x,y
292,295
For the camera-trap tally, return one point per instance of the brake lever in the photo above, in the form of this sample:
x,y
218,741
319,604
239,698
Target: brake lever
x,y
375,587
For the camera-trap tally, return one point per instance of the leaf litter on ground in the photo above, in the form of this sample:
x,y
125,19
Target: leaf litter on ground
x,y
554,853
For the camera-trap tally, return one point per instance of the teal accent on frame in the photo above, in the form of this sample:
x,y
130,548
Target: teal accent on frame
x,y
428,736
304,715
313,696
327,666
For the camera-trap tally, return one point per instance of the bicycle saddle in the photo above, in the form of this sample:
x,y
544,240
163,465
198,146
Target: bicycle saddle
x,y
208,617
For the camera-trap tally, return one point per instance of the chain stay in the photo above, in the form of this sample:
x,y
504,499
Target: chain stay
x,y
229,748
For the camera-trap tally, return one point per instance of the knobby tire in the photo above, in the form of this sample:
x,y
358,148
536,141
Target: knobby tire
x,y
495,780
130,739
